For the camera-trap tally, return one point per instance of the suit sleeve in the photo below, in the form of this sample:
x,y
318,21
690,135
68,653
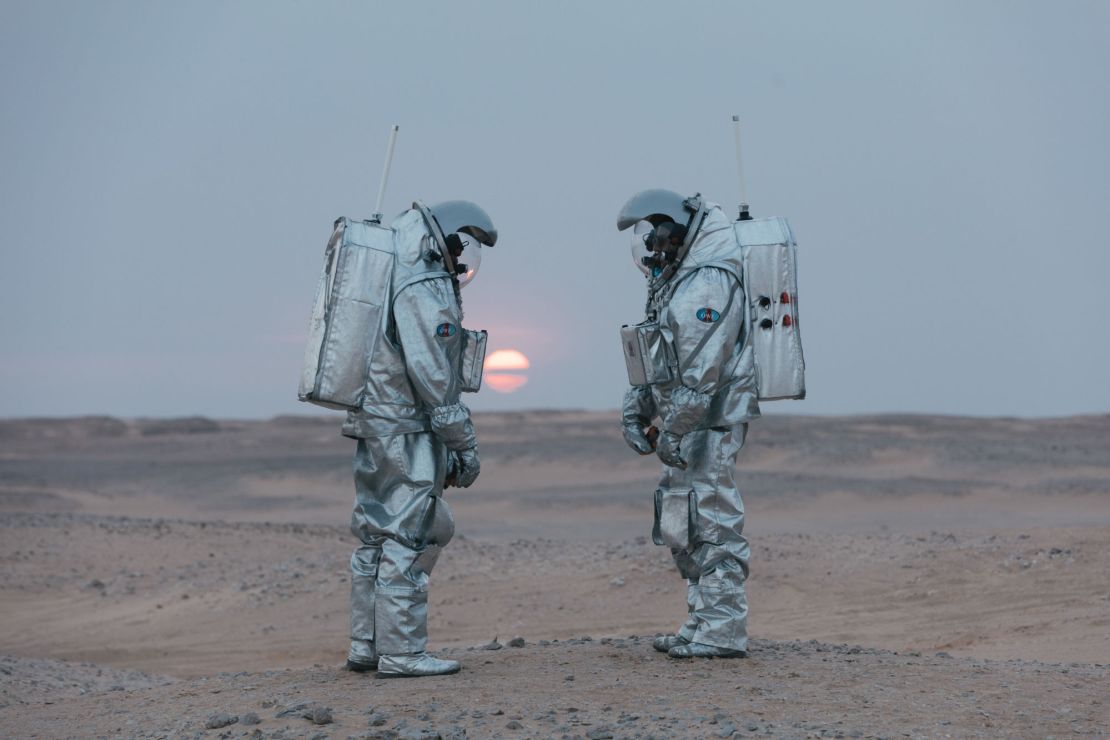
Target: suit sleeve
x,y
705,318
426,316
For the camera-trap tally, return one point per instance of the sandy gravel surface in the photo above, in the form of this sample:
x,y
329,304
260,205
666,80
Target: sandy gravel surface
x,y
910,576
602,688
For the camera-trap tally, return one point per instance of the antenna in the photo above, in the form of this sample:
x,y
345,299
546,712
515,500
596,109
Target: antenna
x,y
740,173
377,217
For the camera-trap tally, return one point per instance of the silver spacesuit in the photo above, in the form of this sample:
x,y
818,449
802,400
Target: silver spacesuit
x,y
414,437
703,389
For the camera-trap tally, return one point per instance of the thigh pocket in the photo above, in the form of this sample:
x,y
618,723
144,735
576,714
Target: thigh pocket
x,y
430,523
675,511
440,524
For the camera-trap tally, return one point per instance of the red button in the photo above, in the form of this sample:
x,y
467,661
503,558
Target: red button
x,y
784,298
787,321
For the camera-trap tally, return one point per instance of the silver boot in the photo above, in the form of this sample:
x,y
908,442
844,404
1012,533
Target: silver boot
x,y
361,656
414,664
701,650
664,643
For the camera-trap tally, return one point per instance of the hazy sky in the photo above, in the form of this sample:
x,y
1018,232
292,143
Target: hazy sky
x,y
169,173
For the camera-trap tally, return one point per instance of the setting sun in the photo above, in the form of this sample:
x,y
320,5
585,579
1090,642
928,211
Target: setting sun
x,y
505,370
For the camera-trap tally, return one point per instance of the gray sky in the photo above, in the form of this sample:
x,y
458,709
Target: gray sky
x,y
169,173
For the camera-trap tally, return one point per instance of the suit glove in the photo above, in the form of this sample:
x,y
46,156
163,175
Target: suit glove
x,y
463,468
669,452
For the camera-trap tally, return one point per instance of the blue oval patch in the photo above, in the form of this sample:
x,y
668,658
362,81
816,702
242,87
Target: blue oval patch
x,y
445,330
708,315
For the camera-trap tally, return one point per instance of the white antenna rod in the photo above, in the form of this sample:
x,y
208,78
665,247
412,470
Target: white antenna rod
x,y
740,171
377,217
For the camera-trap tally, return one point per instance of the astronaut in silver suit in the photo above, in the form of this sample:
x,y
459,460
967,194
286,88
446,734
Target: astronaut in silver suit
x,y
704,393
414,438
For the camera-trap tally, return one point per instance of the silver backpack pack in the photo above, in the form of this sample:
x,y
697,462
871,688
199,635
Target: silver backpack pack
x,y
348,315
769,256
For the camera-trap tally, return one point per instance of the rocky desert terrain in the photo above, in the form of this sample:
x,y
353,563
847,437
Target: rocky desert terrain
x,y
911,576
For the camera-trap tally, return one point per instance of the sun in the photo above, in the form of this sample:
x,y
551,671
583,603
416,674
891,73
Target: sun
x,y
505,370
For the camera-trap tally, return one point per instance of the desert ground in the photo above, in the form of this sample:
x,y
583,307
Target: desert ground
x,y
912,576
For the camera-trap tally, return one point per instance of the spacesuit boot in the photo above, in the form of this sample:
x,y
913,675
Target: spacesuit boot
x,y
361,656
416,664
364,571
719,613
401,613
685,634
701,650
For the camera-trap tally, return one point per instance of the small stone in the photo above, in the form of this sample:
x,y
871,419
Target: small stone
x,y
320,715
617,582
569,678
600,733
220,719
513,725
516,642
726,730
492,645
250,718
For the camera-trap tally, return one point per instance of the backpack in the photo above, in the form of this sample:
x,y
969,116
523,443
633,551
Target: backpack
x,y
348,315
769,257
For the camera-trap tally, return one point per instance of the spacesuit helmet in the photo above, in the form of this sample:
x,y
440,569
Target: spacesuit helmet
x,y
665,224
466,253
459,228
465,217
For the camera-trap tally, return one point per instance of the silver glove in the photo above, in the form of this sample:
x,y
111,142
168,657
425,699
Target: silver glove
x,y
463,468
636,413
668,450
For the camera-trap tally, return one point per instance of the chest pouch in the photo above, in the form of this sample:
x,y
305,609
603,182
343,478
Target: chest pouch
x,y
647,355
473,358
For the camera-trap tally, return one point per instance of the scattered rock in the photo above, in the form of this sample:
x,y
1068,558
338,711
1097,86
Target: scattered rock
x,y
516,642
320,715
617,582
220,719
513,725
250,718
492,645
316,713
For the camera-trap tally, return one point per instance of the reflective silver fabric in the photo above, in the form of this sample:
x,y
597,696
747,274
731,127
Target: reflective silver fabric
x,y
410,421
703,408
347,315
770,271
415,366
399,666
403,524
714,383
700,516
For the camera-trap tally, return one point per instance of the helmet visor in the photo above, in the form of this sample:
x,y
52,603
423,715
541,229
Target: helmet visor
x,y
467,253
641,252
